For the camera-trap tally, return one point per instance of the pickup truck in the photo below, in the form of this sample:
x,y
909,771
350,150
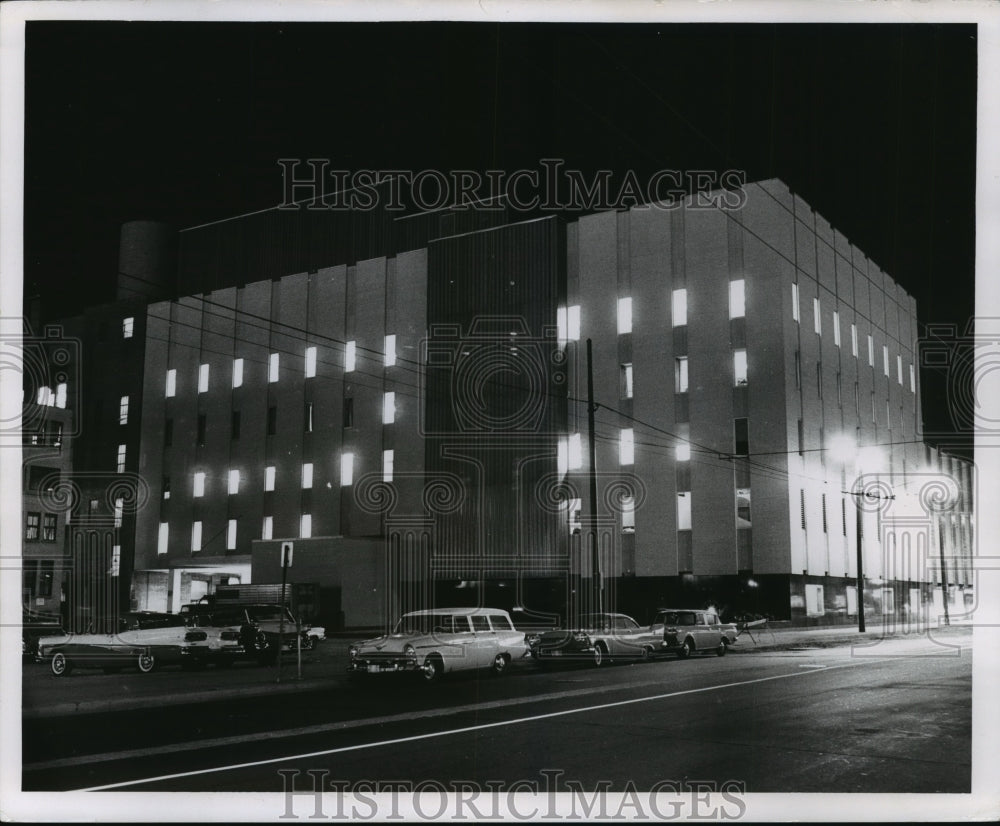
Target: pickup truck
x,y
685,631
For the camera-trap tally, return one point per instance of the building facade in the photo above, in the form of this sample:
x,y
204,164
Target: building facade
x,y
414,416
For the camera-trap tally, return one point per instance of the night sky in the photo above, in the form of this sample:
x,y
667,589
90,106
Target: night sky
x,y
873,125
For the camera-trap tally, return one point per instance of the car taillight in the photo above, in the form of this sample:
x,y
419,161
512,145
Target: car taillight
x,y
409,651
352,652
195,636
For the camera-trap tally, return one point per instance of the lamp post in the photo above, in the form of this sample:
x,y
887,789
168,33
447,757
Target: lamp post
x,y
860,459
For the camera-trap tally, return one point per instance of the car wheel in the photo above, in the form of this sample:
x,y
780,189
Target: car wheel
x,y
500,663
146,662
60,664
686,650
433,669
721,650
600,654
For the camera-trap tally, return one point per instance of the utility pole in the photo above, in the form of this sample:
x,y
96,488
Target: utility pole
x,y
944,569
595,554
861,561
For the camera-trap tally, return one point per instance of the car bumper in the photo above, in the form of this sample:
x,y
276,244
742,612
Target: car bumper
x,y
394,665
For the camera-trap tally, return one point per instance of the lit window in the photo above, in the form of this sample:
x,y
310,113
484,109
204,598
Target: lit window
x,y
273,367
347,469
119,510
624,315
199,484
795,302
166,487
817,317
836,328
679,308
626,381
626,446
743,507
237,372
45,396
171,383
389,408
681,374
307,475
854,341
231,535
737,298
899,369
628,514
306,526
203,378
575,506
387,462
575,457
871,352
740,367
121,458
310,362
128,325
123,410
885,360
350,356
234,481
390,350
196,536
913,380
269,477
683,452
573,322
684,511
61,394
267,529
32,526
162,537
562,456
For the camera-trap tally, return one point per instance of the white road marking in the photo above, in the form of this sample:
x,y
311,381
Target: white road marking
x,y
463,730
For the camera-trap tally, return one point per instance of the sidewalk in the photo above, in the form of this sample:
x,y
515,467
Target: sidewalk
x,y
325,668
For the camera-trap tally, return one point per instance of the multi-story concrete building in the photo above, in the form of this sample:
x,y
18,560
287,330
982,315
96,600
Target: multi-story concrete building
x,y
408,404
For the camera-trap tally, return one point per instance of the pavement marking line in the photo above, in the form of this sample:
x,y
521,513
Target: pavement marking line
x,y
463,730
340,725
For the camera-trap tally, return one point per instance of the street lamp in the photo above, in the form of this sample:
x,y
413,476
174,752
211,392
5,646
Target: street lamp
x,y
860,459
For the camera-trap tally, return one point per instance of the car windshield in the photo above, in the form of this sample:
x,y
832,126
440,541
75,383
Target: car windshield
x,y
269,613
431,624
677,618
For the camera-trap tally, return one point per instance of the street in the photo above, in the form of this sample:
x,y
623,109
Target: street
x,y
895,717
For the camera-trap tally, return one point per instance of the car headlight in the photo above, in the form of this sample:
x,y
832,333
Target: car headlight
x,y
581,637
409,651
352,652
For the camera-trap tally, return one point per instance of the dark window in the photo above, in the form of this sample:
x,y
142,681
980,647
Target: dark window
x,y
166,487
307,424
236,424
30,574
840,399
31,526
272,421
798,369
800,436
95,506
102,331
45,577
168,432
41,477
480,623
49,528
741,436
201,429
819,380
348,412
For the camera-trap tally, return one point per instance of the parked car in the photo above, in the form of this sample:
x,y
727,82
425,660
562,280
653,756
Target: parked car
x,y
248,630
685,631
441,640
34,626
143,639
598,639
